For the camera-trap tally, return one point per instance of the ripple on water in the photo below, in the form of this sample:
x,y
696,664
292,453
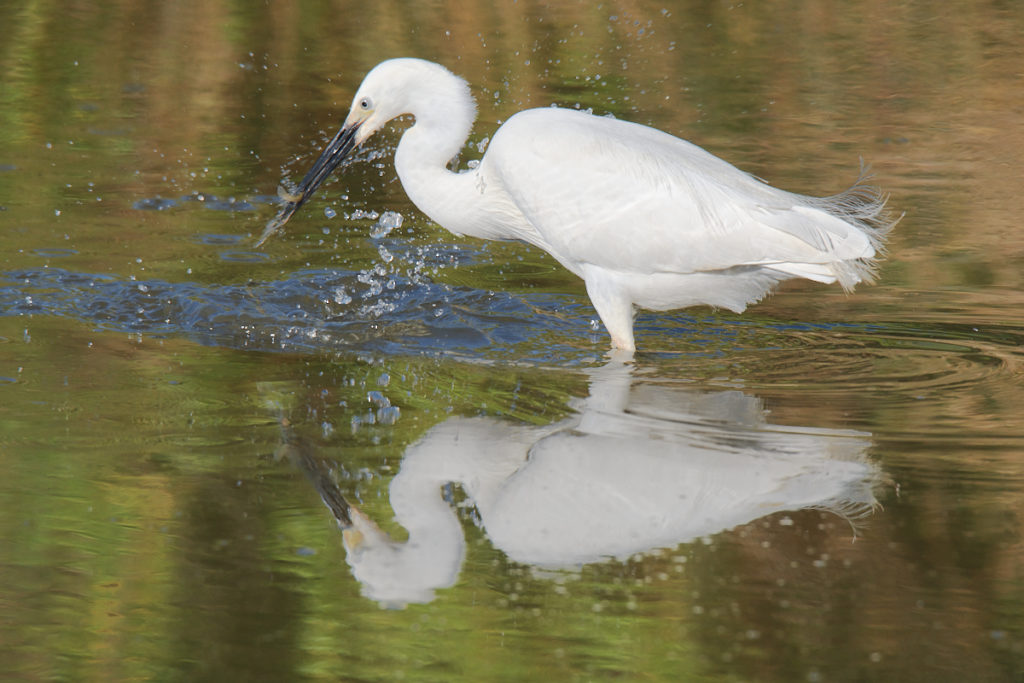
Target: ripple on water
x,y
309,311
200,440
917,361
244,256
55,253
899,361
229,204
216,239
906,364
208,201
232,255
154,204
381,311
215,203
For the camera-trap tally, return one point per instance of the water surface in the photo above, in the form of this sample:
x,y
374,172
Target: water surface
x,y
370,454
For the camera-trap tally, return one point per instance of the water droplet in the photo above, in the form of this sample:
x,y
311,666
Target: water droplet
x,y
341,296
388,221
359,213
388,415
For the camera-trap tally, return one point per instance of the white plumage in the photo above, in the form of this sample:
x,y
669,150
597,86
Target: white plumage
x,y
645,218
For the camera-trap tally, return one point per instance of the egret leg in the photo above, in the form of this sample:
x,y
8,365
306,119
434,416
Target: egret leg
x,y
613,306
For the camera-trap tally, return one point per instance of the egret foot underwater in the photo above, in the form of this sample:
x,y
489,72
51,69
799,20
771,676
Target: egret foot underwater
x,y
645,218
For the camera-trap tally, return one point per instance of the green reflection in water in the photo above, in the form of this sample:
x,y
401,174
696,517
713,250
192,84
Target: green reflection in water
x,y
142,507
145,530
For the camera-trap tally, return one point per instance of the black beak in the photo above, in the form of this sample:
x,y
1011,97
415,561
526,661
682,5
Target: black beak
x,y
337,149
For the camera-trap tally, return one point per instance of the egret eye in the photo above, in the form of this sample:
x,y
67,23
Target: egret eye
x,y
365,104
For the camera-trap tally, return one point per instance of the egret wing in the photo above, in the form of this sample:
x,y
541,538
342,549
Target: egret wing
x,y
630,198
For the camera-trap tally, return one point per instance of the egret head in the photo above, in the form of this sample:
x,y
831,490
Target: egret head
x,y
426,90
393,88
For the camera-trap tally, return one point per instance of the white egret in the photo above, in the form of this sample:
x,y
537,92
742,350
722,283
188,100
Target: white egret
x,y
646,219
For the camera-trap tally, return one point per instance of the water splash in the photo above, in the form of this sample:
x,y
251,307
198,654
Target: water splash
x,y
374,310
388,221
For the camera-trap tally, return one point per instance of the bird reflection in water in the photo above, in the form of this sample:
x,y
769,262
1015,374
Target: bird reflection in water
x,y
640,466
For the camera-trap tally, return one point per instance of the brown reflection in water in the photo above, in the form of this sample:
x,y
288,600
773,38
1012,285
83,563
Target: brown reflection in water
x,y
928,96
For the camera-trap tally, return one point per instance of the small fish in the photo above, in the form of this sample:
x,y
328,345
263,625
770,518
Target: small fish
x,y
335,152
292,202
